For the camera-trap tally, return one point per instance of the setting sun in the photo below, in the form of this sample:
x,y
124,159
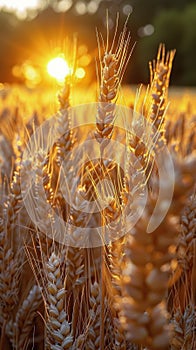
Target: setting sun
x,y
58,68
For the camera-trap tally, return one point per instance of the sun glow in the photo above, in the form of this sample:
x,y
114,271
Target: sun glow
x,y
58,68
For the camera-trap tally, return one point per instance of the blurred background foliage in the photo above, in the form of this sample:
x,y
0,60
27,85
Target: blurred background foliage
x,y
33,34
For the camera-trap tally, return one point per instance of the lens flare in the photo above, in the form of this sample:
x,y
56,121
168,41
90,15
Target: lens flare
x,y
58,68
80,73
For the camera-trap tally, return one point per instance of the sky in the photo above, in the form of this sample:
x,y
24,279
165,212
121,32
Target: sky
x,y
150,22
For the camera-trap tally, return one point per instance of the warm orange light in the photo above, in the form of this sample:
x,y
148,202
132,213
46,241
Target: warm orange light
x,y
80,73
58,68
28,73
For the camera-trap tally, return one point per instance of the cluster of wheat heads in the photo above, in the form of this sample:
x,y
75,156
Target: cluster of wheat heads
x,y
138,290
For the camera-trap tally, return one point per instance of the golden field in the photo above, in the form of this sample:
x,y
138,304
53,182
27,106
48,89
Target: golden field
x,y
136,290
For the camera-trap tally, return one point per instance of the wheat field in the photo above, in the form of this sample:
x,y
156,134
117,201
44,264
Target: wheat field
x,y
136,290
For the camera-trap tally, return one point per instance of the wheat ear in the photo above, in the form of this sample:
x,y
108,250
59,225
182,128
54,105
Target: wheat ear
x,y
58,330
144,286
93,340
184,326
113,66
10,259
63,144
20,329
160,74
187,239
